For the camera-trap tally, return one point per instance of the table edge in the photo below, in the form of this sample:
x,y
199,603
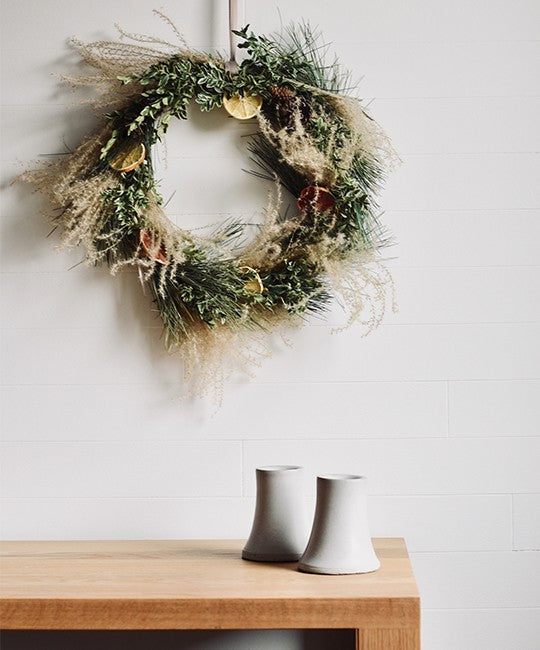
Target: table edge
x,y
190,614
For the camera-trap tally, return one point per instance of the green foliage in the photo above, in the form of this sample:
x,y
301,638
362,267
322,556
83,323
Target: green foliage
x,y
295,57
297,286
271,164
201,289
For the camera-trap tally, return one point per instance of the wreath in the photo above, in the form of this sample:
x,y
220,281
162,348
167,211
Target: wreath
x,y
313,138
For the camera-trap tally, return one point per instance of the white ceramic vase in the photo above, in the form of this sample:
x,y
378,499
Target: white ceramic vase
x,y
340,542
279,531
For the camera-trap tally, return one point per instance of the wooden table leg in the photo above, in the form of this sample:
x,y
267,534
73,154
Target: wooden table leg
x,y
390,639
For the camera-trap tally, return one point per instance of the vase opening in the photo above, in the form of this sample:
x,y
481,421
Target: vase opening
x,y
278,468
342,477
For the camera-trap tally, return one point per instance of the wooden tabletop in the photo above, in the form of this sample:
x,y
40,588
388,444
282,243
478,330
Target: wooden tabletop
x,y
193,585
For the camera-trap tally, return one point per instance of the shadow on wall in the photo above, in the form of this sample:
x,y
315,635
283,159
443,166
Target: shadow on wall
x,y
29,244
28,240
187,640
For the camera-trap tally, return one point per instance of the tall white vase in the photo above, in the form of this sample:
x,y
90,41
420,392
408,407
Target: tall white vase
x,y
340,542
279,531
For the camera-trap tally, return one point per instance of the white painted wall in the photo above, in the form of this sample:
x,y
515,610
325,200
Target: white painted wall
x,y
440,407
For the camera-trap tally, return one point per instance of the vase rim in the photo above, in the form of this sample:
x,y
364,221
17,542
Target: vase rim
x,y
278,468
342,477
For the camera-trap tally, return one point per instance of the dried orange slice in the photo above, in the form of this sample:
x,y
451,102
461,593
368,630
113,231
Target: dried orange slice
x,y
242,107
315,198
129,157
254,285
152,246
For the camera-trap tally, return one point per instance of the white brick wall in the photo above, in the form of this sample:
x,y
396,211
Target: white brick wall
x,y
440,407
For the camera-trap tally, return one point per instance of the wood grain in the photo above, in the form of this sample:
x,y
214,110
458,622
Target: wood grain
x,y
388,639
194,585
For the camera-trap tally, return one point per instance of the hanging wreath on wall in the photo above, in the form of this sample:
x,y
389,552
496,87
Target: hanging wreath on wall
x,y
313,139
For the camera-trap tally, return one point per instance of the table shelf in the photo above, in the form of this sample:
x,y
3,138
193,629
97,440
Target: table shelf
x,y
201,584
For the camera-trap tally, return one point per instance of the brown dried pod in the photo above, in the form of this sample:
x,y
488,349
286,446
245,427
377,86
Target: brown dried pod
x,y
152,246
315,199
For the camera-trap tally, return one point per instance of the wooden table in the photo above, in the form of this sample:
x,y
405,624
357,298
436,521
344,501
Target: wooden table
x,y
172,585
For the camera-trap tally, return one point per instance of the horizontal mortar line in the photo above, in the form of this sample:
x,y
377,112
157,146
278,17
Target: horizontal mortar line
x,y
406,324
251,496
456,267
479,609
165,498
331,327
467,153
217,438
369,436
212,439
308,495
427,98
398,98
388,211
86,102
470,153
400,213
255,382
222,45
170,537
437,42
245,160
276,382
221,438
490,550
403,154
150,498
486,436
369,102
240,160
263,382
372,100
448,494
438,210
326,325
72,50
392,263
463,551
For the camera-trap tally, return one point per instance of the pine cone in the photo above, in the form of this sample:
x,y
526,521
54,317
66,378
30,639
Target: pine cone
x,y
281,93
286,103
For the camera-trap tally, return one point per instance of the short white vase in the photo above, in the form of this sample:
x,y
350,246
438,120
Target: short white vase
x,y
340,542
279,530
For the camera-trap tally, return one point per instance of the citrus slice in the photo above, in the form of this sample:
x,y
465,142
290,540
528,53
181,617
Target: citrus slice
x,y
129,157
152,246
242,107
254,285
315,198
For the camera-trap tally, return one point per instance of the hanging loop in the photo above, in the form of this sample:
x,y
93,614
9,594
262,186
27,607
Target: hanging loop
x,y
232,65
